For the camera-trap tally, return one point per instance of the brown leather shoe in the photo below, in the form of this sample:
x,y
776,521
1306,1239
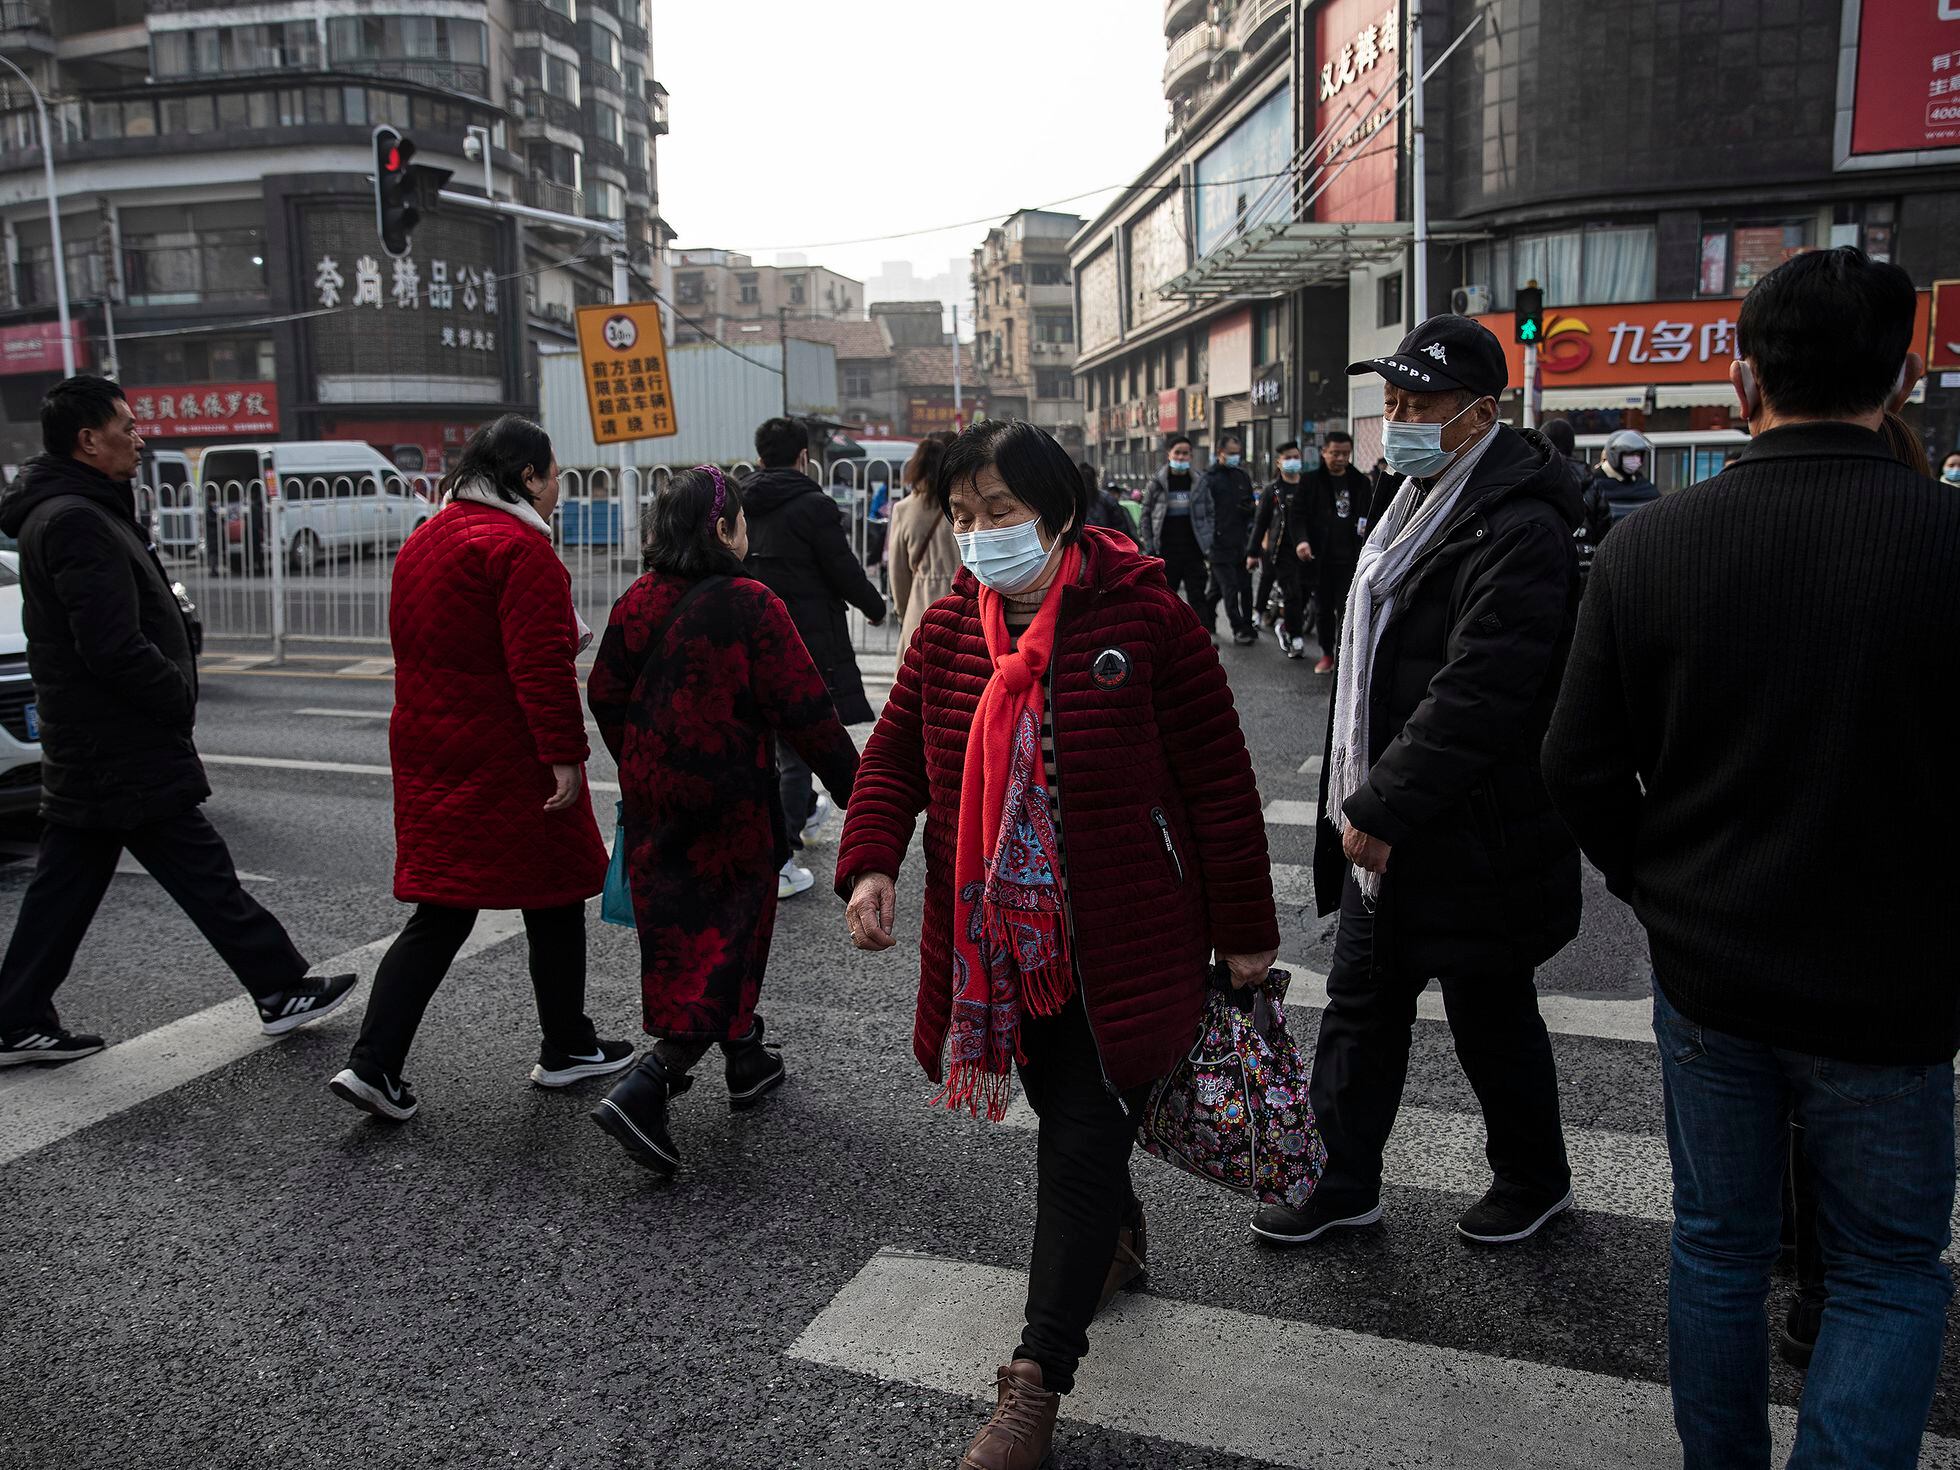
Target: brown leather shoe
x,y
1021,1435
1127,1268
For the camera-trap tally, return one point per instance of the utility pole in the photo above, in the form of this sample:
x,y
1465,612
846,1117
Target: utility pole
x,y
782,342
959,417
1419,180
54,220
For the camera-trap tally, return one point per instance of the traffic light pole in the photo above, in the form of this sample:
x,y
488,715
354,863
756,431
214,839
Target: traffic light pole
x,y
622,285
1531,385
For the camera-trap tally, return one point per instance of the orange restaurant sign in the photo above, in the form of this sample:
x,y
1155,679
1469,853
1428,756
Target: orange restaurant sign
x,y
1642,342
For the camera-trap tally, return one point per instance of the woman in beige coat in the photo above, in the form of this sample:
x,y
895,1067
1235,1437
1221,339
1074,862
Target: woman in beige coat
x,y
923,555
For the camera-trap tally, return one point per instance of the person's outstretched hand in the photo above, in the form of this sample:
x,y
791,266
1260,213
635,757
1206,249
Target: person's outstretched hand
x,y
872,911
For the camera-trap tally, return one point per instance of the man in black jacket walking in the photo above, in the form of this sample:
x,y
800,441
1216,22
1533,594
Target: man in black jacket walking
x,y
798,549
1437,840
115,685
1778,824
1227,488
1337,497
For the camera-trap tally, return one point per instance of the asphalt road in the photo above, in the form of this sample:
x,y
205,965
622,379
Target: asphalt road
x,y
208,1261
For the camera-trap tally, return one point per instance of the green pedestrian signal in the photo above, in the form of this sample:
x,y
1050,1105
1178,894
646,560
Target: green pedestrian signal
x,y
1530,315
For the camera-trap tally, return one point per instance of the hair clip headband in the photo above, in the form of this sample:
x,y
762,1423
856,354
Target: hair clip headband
x,y
721,494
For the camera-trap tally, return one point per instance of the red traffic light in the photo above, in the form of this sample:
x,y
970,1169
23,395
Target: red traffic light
x,y
393,162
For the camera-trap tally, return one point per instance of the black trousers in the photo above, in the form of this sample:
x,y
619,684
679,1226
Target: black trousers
x,y
796,783
1231,584
1190,577
188,859
1269,573
421,956
1363,1059
1083,1195
1330,606
1297,586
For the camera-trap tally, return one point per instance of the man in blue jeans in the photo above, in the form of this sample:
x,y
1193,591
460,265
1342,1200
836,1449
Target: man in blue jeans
x,y
1779,823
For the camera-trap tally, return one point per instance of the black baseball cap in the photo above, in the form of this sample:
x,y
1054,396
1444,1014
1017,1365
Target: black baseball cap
x,y
1445,352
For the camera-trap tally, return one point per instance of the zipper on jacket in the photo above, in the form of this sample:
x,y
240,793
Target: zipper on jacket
x,y
1170,847
1068,892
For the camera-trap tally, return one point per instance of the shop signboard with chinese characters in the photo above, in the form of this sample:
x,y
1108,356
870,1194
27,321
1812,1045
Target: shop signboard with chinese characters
x,y
1360,49
1269,391
437,315
205,410
1905,88
1169,402
626,382
1194,407
1644,342
36,348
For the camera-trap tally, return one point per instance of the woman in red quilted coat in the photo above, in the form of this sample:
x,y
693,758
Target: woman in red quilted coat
x,y
699,673
488,747
1093,837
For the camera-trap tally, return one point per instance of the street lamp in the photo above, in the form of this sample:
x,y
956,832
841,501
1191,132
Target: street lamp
x,y
54,219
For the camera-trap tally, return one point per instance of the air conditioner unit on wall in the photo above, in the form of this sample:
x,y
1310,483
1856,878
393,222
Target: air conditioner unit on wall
x,y
1470,300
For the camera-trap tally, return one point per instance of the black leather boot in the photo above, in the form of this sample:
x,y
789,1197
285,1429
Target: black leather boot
x,y
635,1113
754,1068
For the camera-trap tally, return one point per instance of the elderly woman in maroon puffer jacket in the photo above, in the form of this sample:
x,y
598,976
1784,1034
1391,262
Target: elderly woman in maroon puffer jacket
x,y
1093,836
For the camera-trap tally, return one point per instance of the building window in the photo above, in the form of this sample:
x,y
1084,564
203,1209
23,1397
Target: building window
x,y
605,201
178,254
1050,273
1054,327
687,288
1595,266
217,50
1735,255
560,77
608,124
1388,301
796,289
857,383
566,8
602,44
751,293
1054,383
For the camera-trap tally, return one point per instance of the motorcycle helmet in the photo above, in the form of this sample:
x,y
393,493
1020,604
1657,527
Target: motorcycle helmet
x,y
1630,443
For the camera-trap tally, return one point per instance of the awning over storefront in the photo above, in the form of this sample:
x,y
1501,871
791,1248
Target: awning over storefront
x,y
1694,395
1273,258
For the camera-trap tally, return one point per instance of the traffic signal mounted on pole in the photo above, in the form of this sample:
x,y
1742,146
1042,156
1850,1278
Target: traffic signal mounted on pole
x,y
1530,315
403,189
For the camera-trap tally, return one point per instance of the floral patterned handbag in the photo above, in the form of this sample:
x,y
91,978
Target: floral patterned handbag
x,y
1236,1111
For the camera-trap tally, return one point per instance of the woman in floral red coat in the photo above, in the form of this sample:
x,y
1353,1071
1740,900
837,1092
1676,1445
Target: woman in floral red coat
x,y
700,670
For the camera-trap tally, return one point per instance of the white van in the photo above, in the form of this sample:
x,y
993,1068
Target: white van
x,y
167,500
20,731
339,497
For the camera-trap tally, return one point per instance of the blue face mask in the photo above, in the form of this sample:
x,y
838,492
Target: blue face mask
x,y
1951,474
1290,466
1417,449
1231,461
1008,559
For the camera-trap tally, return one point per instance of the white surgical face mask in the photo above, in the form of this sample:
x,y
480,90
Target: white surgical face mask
x,y
1180,466
1290,466
1417,449
1008,559
1631,463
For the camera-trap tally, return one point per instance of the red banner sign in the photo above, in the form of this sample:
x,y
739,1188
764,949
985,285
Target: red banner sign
x,y
1943,352
1642,342
1360,48
36,348
205,410
1907,95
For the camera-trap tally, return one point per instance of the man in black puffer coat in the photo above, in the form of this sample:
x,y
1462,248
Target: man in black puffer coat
x,y
798,549
115,686
1452,863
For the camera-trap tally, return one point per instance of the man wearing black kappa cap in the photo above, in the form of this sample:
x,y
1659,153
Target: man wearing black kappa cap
x,y
1437,841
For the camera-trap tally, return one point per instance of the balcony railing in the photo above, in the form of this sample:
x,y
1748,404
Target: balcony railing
x,y
541,106
601,76
639,183
603,153
1181,13
1189,55
633,40
549,194
535,15
448,76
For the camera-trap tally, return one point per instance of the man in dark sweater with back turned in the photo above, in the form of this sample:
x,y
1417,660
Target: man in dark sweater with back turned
x,y
1778,824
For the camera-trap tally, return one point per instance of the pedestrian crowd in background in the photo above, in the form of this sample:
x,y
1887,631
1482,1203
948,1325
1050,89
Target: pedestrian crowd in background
x,y
1096,870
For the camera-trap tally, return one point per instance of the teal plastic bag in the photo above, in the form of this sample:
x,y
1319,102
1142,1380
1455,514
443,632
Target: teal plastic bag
x,y
616,903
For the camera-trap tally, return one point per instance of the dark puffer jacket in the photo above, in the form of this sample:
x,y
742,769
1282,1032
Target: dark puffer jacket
x,y
115,682
1482,872
798,550
1161,818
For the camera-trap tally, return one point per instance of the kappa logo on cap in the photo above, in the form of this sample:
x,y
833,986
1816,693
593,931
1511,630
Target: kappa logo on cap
x,y
1435,350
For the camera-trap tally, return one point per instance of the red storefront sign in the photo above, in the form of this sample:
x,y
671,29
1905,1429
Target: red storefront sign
x,y
205,410
1907,91
36,348
1360,53
1169,403
1645,342
1943,350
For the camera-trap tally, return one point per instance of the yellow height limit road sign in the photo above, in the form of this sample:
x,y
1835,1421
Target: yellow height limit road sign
x,y
626,382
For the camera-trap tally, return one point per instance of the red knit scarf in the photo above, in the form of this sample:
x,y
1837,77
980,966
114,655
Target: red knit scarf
x,y
1010,932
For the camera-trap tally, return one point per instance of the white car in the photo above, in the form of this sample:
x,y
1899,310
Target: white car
x,y
338,497
20,730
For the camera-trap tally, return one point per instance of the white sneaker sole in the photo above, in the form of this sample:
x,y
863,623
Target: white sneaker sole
x,y
347,1084
1525,1234
1350,1222
52,1057
566,1076
306,1018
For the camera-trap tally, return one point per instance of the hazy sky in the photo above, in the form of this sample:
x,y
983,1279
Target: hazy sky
x,y
795,124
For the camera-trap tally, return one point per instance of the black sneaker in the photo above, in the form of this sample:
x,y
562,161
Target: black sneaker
x,y
1797,1338
1505,1216
1284,1225
386,1097
635,1114
290,1009
557,1068
47,1047
1245,638
754,1069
